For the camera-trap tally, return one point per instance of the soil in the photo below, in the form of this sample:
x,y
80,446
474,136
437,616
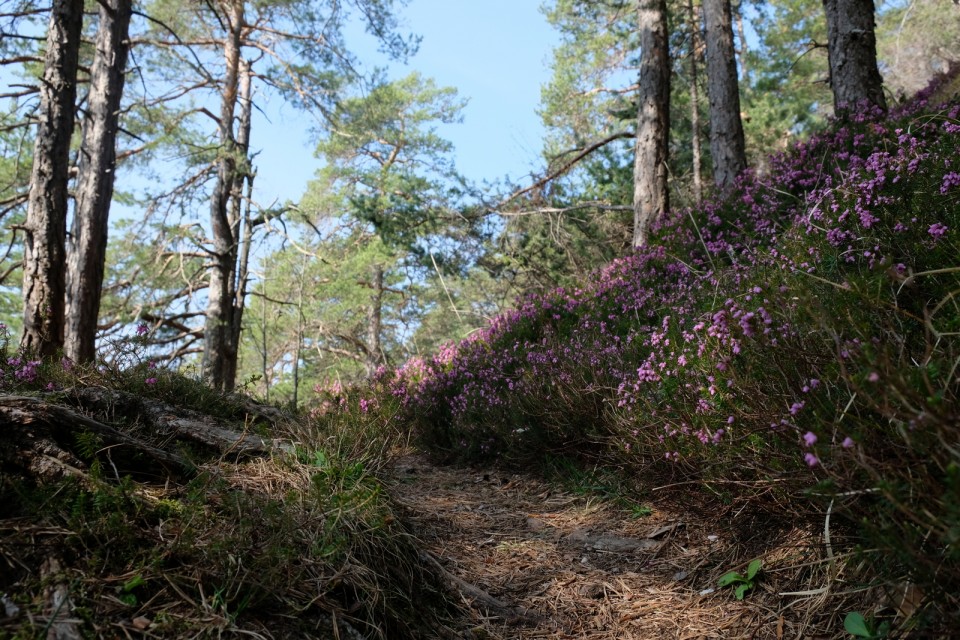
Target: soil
x,y
531,560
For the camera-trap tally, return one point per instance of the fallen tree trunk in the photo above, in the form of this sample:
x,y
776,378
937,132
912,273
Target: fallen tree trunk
x,y
42,436
172,420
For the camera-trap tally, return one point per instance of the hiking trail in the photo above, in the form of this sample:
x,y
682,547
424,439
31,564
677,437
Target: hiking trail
x,y
531,560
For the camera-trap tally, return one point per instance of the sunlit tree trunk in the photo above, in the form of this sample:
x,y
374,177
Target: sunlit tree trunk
x,y
650,190
218,325
695,100
242,226
727,147
742,39
374,321
44,281
852,50
87,246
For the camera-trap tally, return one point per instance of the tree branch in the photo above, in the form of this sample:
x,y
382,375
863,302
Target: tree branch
x,y
567,166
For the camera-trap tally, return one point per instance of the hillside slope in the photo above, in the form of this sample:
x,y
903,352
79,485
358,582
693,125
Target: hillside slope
x,y
792,350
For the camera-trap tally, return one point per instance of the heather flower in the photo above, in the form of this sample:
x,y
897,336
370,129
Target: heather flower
x,y
809,438
150,381
950,180
847,442
937,230
28,372
142,329
811,460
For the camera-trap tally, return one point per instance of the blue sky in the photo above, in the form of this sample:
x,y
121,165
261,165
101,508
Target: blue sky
x,y
494,52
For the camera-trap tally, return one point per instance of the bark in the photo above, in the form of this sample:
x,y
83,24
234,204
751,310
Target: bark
x,y
44,282
40,435
742,39
218,324
242,226
852,51
650,192
173,421
695,100
374,321
727,147
97,166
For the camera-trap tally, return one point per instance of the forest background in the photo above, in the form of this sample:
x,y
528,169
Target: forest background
x,y
390,251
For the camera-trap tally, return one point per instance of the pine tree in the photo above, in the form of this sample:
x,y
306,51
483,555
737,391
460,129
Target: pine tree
x,y
727,147
854,75
46,225
87,247
650,191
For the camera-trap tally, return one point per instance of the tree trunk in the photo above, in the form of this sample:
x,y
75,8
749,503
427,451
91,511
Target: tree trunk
x,y
650,191
742,38
44,282
241,225
852,51
727,147
374,322
695,100
98,153
218,324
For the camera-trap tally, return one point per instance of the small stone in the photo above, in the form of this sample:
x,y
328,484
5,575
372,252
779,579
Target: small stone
x,y
10,609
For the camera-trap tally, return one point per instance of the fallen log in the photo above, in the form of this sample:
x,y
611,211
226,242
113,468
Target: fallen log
x,y
169,419
47,432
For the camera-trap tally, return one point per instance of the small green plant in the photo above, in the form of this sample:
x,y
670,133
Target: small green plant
x,y
743,582
640,511
856,625
125,593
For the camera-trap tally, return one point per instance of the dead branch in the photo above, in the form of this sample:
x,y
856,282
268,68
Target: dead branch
x,y
567,166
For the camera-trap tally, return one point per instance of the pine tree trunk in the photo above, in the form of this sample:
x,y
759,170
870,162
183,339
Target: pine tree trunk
x,y
727,147
218,324
742,38
852,50
98,153
374,322
695,101
241,226
44,281
650,190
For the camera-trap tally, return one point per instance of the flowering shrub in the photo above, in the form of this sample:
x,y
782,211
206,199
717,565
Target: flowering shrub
x,y
123,365
804,330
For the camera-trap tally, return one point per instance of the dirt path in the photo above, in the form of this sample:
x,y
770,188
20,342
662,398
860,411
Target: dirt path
x,y
532,561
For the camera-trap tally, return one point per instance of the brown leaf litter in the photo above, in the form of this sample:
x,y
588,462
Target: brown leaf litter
x,y
530,560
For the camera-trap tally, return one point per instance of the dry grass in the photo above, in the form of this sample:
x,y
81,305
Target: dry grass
x,y
289,545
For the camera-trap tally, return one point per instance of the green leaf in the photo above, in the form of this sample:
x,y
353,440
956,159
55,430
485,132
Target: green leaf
x,y
856,625
753,567
729,578
742,589
133,583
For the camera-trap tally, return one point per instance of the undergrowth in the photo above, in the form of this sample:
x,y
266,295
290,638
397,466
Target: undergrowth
x,y
302,542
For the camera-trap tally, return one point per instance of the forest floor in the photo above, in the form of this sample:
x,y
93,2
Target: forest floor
x,y
531,560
